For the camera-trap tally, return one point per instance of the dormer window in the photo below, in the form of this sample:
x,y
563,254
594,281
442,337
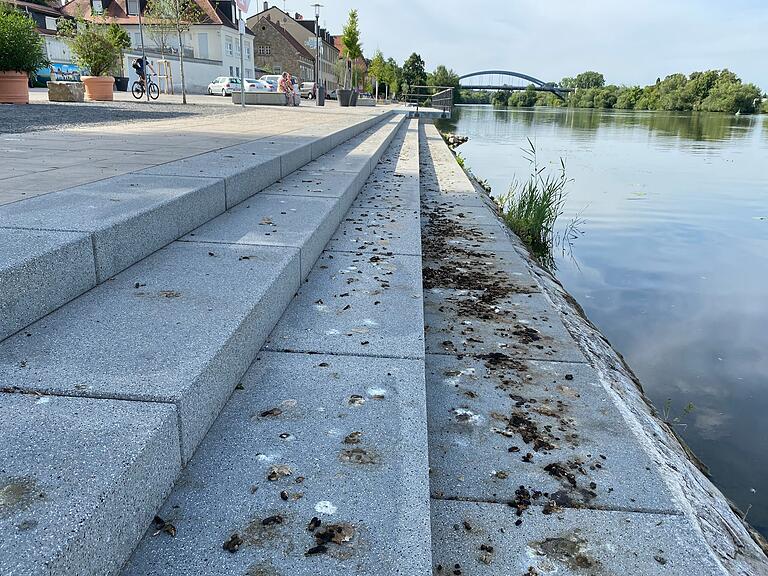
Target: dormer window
x,y
132,7
98,8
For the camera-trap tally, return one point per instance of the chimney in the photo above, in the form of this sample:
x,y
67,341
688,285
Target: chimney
x,y
266,5
298,16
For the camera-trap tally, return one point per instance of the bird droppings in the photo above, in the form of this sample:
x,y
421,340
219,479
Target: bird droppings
x,y
570,551
323,507
278,471
17,495
359,456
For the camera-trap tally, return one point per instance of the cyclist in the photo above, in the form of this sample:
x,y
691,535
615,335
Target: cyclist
x,y
140,66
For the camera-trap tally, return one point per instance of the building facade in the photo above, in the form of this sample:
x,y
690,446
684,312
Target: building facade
x,y
210,48
303,31
276,50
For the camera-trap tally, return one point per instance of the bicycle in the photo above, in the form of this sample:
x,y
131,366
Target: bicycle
x,y
137,89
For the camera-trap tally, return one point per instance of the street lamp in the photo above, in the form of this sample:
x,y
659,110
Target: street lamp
x,y
318,85
128,11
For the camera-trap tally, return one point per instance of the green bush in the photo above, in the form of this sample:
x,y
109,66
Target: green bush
x,y
94,50
21,48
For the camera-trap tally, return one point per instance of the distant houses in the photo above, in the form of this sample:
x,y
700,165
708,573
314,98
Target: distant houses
x,y
274,42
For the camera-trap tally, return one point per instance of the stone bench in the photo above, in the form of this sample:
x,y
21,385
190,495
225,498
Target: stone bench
x,y
366,102
260,98
66,91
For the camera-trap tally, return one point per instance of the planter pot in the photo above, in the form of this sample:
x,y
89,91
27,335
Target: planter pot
x,y
353,101
99,88
121,83
14,88
344,96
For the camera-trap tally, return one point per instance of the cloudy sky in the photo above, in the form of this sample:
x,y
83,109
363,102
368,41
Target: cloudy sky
x,y
630,42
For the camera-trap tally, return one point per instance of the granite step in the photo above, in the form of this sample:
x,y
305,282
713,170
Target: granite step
x,y
56,246
126,379
318,463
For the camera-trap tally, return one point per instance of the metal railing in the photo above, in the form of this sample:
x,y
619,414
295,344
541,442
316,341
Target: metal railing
x,y
440,97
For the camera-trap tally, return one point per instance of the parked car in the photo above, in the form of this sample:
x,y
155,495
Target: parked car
x,y
272,79
224,85
252,85
307,90
332,95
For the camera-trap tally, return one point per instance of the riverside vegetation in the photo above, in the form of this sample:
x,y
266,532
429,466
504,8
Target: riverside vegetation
x,y
531,208
710,91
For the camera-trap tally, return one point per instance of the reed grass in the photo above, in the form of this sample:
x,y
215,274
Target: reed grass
x,y
531,207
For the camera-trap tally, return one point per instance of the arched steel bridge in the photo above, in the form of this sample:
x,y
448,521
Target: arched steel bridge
x,y
500,80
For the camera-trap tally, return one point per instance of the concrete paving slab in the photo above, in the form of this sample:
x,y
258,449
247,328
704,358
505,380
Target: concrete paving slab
x,y
338,438
324,184
372,231
40,271
273,220
244,174
567,437
366,305
567,543
79,479
522,325
180,326
293,151
128,217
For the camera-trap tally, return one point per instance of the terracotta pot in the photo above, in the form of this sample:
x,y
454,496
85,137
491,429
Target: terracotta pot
x,y
14,88
98,87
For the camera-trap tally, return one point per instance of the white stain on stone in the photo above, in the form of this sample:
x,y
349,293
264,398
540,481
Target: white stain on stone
x,y
377,393
325,507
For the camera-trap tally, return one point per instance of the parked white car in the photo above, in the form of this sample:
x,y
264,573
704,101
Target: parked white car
x,y
272,79
252,85
224,85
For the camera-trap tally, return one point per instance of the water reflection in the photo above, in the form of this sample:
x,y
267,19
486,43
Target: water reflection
x,y
697,126
673,262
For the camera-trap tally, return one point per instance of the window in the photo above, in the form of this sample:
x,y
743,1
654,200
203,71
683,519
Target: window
x,y
277,69
228,45
133,7
247,51
50,23
264,50
237,71
230,70
97,7
202,45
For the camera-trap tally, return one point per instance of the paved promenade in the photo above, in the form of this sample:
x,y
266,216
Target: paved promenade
x,y
131,136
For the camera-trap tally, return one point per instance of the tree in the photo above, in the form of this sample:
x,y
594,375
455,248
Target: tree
x,y
378,69
394,76
447,78
589,79
413,71
179,15
121,40
350,41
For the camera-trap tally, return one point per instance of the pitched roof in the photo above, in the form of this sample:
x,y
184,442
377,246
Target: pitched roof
x,y
35,7
300,48
115,11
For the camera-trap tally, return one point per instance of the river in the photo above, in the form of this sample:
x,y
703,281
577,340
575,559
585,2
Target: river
x,y
672,262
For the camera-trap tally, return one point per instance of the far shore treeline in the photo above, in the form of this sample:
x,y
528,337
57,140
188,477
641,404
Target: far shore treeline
x,y
710,91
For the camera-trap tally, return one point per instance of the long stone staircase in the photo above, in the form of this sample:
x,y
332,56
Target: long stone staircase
x,y
131,309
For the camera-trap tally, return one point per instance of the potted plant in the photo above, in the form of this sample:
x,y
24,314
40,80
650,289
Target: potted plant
x,y
94,51
120,38
22,51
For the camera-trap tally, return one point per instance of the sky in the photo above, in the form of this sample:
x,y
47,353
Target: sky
x,y
630,42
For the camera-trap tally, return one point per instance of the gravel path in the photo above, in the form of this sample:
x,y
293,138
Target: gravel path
x,y
61,116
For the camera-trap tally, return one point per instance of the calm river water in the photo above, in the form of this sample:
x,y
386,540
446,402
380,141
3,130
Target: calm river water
x,y
673,261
